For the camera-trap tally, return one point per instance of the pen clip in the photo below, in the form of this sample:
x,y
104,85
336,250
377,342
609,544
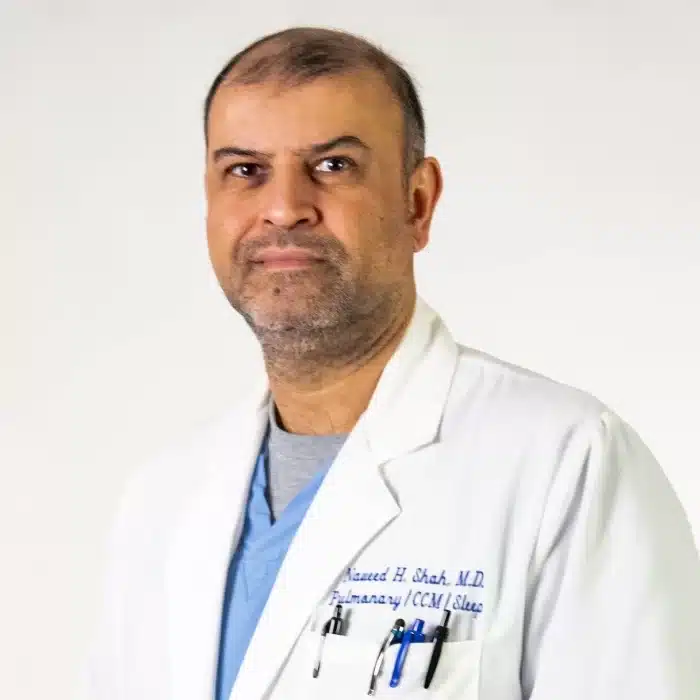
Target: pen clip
x,y
439,637
336,622
396,632
415,633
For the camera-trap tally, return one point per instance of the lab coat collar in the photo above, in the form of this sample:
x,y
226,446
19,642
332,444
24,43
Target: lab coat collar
x,y
352,505
407,406
405,410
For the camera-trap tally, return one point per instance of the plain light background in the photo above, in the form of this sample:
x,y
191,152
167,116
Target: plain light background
x,y
567,241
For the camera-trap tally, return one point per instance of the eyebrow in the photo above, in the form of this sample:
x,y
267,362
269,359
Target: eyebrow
x,y
313,149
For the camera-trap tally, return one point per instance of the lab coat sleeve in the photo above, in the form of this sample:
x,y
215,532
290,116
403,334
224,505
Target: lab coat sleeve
x,y
613,610
101,674
104,673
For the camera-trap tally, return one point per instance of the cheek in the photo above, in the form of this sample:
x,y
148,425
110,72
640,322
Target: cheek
x,y
224,228
357,220
217,243
372,233
394,250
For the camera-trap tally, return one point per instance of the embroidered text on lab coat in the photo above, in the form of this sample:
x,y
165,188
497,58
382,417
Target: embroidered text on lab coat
x,y
399,592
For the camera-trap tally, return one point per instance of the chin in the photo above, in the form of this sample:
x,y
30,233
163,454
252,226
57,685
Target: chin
x,y
285,323
294,311
292,319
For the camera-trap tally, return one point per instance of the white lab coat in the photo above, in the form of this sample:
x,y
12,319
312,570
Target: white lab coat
x,y
527,507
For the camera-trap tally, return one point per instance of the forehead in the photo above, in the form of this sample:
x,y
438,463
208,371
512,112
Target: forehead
x,y
268,117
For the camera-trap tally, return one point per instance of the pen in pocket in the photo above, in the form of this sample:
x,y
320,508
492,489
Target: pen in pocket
x,y
334,626
395,635
439,637
410,636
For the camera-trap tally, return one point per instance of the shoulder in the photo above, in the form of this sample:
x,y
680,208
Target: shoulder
x,y
559,431
561,437
517,398
160,487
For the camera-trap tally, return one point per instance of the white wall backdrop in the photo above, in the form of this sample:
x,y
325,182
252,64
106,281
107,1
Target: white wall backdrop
x,y
567,241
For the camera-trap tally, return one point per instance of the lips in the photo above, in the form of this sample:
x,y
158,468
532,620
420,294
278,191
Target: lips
x,y
285,258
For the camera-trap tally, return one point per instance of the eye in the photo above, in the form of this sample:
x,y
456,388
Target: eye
x,y
243,170
335,164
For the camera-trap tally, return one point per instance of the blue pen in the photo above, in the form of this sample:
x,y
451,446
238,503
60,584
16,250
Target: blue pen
x,y
415,634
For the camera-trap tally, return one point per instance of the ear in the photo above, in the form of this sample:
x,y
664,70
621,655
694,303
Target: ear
x,y
425,188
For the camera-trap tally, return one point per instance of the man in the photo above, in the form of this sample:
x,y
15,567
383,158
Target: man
x,y
383,474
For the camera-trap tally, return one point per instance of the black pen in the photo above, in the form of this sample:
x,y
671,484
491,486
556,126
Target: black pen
x,y
334,626
337,621
439,638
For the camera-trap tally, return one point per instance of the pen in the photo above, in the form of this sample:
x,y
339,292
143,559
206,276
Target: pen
x,y
334,626
394,635
439,638
337,620
324,632
415,634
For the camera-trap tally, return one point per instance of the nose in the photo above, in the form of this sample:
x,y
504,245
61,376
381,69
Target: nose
x,y
289,200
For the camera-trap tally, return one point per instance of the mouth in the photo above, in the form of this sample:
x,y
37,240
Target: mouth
x,y
285,260
287,263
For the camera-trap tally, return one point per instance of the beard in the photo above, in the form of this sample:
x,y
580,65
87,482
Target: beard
x,y
317,315
313,298
321,315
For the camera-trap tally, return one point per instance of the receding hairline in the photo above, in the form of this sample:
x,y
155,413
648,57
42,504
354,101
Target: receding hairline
x,y
247,74
299,55
279,85
271,58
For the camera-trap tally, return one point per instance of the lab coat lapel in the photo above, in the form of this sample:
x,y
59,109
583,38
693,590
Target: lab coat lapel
x,y
334,529
202,547
354,503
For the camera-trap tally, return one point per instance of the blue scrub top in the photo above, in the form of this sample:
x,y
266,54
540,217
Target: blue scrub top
x,y
254,567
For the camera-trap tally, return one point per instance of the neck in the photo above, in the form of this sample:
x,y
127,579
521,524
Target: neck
x,y
332,401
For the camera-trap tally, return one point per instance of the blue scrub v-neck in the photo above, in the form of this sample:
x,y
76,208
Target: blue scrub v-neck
x,y
255,565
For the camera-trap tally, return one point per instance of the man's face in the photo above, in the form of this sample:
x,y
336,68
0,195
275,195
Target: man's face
x,y
307,221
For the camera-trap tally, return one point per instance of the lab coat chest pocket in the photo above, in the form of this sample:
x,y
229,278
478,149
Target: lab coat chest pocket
x,y
347,664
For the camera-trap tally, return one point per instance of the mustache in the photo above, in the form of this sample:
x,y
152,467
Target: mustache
x,y
325,247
